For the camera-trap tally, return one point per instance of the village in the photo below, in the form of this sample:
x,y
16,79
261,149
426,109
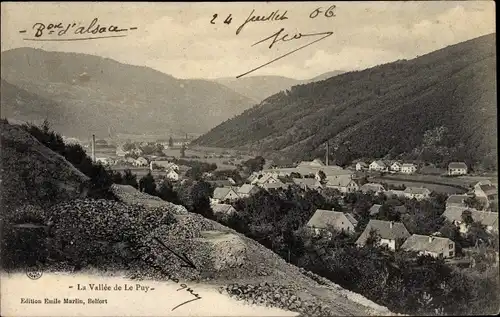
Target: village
x,y
317,176
394,235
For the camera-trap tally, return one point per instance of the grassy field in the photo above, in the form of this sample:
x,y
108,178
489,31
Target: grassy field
x,y
464,181
198,154
433,187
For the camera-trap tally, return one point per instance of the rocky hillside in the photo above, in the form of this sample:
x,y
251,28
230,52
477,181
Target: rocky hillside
x,y
137,233
92,93
32,173
381,110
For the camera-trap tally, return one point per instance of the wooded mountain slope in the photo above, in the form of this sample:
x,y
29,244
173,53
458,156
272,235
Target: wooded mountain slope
x,y
382,110
100,93
258,88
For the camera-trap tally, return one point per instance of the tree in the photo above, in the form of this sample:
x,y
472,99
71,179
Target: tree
x,y
117,177
254,164
128,146
167,193
170,142
200,195
474,202
147,184
322,176
467,217
130,179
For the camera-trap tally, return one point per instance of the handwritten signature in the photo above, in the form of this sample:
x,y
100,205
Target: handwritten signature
x,y
59,29
149,258
280,36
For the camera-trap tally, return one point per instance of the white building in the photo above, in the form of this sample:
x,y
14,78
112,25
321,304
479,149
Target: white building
x,y
408,168
390,233
172,175
457,168
396,167
377,166
418,193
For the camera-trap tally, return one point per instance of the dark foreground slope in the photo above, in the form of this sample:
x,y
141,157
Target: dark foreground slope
x,y
114,236
385,109
99,93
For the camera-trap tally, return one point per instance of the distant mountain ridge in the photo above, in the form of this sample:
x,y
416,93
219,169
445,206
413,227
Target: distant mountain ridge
x,y
390,109
97,94
258,88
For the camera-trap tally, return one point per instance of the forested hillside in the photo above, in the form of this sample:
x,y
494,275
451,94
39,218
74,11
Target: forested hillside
x,y
437,107
95,94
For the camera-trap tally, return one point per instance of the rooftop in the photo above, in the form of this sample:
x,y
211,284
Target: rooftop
x,y
386,229
457,165
322,218
418,242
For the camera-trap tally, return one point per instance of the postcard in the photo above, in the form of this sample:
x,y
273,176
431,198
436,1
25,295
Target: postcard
x,y
249,158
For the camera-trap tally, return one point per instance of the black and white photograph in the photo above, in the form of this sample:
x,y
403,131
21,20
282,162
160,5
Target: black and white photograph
x,y
249,159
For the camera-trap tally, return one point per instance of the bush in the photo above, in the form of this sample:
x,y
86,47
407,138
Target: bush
x,y
24,245
100,177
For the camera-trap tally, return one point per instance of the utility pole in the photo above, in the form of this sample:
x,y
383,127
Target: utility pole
x,y
327,153
93,147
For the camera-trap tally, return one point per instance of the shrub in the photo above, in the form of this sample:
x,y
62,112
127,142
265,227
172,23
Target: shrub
x,y
100,177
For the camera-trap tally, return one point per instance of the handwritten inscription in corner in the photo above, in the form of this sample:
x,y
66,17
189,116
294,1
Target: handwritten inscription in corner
x,y
73,31
281,35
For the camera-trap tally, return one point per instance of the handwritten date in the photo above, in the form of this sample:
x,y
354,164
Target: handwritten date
x,y
328,13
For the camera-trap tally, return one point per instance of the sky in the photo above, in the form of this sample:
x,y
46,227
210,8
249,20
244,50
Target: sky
x,y
179,38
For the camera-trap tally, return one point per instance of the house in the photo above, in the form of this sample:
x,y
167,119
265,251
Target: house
x,y
343,183
400,209
253,177
136,151
408,168
340,221
220,183
224,209
430,245
486,193
106,161
396,167
487,218
418,193
457,168
361,166
375,209
394,192
141,161
130,160
377,166
391,233
223,194
456,200
313,163
307,183
247,190
172,175
277,185
372,187
120,152
267,178
167,165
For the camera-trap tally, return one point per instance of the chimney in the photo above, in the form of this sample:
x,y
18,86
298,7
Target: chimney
x,y
93,147
391,224
327,153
